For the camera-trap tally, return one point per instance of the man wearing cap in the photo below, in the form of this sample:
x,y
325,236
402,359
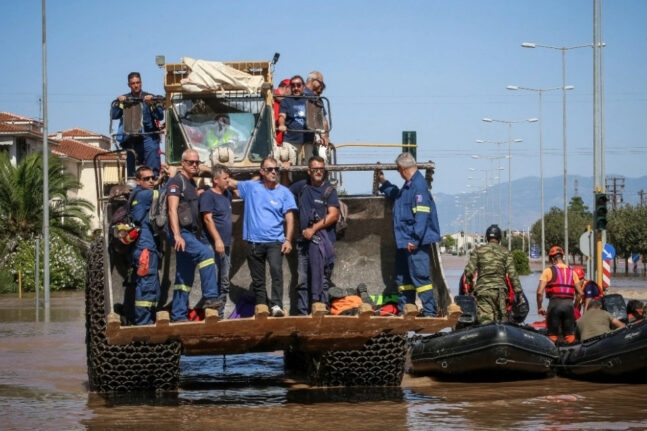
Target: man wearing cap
x,y
292,122
560,283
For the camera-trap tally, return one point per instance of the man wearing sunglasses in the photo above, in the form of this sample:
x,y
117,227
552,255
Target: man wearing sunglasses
x,y
145,256
415,224
292,119
318,213
191,246
268,227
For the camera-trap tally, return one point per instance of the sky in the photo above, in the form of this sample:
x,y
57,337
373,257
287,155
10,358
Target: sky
x,y
436,67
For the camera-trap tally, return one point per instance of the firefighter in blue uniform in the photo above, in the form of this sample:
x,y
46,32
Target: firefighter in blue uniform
x,y
147,144
190,243
145,256
415,224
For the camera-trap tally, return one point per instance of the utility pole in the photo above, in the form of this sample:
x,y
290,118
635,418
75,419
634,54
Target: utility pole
x,y
616,187
641,193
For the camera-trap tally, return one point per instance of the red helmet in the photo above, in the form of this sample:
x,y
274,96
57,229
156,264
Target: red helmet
x,y
579,271
555,250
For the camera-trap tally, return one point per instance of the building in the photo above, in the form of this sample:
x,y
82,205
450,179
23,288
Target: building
x,y
76,148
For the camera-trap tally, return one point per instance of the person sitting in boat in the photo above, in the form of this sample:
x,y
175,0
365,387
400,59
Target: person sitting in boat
x,y
560,283
493,263
596,321
635,311
589,287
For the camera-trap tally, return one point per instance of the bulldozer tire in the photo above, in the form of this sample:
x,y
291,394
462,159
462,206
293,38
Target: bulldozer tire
x,y
380,362
137,366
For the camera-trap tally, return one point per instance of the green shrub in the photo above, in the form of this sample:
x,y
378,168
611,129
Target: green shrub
x,y
7,282
66,266
521,262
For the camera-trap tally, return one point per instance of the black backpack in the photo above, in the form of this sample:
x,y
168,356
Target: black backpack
x,y
122,217
158,213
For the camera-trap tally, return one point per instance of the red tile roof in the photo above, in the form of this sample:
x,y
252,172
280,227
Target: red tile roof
x,y
77,132
17,124
74,149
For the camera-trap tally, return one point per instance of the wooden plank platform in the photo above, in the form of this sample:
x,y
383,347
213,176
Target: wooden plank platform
x,y
264,334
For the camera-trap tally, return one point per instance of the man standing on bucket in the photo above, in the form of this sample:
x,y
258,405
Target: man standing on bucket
x,y
415,224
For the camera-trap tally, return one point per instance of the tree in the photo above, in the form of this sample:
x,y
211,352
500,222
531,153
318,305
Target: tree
x,y
448,241
521,263
579,217
21,203
627,230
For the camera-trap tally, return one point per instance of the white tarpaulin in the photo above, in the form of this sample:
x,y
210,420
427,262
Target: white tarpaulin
x,y
215,76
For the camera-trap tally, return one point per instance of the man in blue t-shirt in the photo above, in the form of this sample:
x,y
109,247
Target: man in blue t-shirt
x,y
268,211
318,212
215,209
191,246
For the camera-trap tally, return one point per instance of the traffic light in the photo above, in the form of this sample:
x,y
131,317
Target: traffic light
x,y
600,214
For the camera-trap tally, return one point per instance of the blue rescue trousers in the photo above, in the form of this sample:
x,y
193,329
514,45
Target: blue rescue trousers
x,y
412,276
147,149
147,289
197,252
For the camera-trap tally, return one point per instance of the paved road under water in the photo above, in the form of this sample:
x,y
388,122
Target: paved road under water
x,y
43,385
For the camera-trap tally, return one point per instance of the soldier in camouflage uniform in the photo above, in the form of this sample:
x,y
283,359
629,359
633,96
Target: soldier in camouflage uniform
x,y
491,263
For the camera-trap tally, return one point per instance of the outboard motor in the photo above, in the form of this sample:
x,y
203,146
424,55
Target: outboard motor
x,y
469,309
615,304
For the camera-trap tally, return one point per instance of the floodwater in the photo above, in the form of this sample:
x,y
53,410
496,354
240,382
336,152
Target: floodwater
x,y
43,386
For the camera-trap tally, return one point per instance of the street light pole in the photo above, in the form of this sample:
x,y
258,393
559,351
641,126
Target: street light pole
x,y
563,49
540,92
499,168
509,123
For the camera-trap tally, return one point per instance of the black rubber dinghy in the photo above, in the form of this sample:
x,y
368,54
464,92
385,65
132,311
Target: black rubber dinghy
x,y
496,350
619,353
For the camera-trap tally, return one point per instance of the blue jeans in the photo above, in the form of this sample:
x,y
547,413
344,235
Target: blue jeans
x,y
196,252
412,276
257,254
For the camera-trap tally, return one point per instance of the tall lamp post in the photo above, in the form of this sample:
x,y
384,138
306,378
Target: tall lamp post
x,y
509,123
499,168
563,49
540,92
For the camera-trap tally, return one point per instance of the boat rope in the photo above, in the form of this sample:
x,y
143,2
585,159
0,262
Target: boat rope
x,y
548,364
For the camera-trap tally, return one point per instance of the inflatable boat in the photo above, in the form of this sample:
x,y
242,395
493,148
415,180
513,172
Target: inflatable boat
x,y
504,349
619,353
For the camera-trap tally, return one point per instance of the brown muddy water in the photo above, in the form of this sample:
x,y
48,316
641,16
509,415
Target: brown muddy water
x,y
43,386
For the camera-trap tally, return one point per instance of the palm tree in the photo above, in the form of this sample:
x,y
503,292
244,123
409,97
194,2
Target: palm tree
x,y
21,203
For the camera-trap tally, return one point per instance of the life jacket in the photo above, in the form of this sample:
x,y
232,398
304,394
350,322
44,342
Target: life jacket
x,y
561,285
346,303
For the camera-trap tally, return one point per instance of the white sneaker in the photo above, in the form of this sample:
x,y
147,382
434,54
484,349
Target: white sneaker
x,y
277,311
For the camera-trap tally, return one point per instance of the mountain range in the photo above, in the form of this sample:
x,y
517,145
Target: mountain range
x,y
525,201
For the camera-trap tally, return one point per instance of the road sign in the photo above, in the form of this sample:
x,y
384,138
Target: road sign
x,y
586,243
608,252
606,273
